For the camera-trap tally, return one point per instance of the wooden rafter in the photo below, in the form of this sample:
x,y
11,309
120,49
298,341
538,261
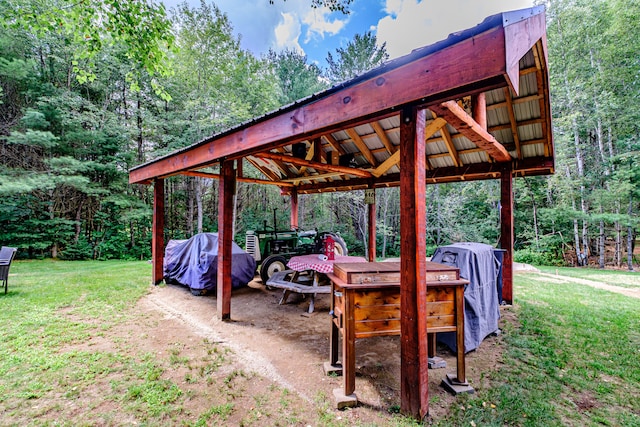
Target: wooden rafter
x,y
333,143
459,119
448,141
263,170
364,150
327,176
318,166
541,100
393,160
512,121
282,183
384,138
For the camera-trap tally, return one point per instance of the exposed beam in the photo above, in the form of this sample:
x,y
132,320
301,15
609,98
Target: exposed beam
x,y
476,171
448,141
384,138
512,121
362,146
464,123
387,164
282,183
424,79
334,143
327,176
318,166
263,170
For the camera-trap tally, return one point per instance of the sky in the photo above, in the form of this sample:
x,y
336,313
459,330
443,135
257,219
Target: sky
x,y
402,24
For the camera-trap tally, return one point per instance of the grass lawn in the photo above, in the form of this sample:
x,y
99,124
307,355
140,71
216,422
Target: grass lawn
x,y
622,278
572,358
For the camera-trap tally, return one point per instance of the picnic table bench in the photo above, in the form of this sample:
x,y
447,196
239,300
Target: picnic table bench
x,y
307,276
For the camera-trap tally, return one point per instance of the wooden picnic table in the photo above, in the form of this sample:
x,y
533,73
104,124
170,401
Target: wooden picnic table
x,y
306,274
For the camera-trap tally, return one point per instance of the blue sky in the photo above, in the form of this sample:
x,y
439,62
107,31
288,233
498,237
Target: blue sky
x,y
403,24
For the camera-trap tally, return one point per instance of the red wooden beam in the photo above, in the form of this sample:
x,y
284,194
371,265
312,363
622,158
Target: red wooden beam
x,y
157,238
506,233
226,185
414,377
372,228
421,79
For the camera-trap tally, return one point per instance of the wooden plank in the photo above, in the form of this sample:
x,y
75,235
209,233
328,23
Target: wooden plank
x,y
362,146
377,298
157,231
377,327
226,186
479,109
460,362
521,33
334,143
384,138
441,321
459,119
318,166
506,233
448,141
414,376
513,123
378,312
239,179
426,79
387,164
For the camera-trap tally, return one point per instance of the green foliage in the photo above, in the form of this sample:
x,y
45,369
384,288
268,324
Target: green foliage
x,y
533,257
360,55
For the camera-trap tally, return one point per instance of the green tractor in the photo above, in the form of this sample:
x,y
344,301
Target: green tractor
x,y
272,248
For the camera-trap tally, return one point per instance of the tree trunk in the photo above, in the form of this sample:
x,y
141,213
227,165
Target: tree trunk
x,y
601,243
191,189
630,235
535,213
200,210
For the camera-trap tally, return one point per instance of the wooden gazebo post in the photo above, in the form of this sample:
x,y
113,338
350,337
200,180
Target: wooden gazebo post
x,y
294,208
506,232
227,187
157,231
371,211
414,377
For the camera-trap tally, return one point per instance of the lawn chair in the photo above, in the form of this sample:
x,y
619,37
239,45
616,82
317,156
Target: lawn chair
x,y
6,256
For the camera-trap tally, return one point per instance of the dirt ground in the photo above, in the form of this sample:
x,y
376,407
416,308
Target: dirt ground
x,y
288,346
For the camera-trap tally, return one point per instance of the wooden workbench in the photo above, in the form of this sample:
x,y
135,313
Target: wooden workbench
x,y
365,302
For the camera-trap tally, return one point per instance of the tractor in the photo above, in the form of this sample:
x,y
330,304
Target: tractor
x,y
272,248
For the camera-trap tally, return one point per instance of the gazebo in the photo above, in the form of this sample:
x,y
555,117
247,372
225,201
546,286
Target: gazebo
x,y
473,106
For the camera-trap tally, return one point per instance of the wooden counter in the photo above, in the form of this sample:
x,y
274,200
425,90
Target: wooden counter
x,y
365,302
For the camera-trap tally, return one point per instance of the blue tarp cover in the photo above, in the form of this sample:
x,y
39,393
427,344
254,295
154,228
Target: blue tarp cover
x,y
194,263
477,264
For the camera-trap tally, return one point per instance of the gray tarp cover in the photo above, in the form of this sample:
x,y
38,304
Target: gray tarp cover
x,y
194,263
478,264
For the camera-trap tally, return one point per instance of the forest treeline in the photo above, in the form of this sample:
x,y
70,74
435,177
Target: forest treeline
x,y
89,91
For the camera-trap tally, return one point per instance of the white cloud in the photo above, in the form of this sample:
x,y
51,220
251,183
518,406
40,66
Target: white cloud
x,y
287,33
414,23
319,23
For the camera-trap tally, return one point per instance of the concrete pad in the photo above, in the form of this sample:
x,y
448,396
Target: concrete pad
x,y
344,401
330,369
455,387
436,362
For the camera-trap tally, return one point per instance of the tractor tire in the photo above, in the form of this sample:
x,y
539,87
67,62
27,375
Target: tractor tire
x,y
340,246
271,265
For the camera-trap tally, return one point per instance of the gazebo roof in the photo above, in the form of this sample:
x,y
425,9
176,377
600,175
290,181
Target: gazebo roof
x,y
485,89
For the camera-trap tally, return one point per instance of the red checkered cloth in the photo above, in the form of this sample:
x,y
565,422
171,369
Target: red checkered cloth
x,y
316,263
